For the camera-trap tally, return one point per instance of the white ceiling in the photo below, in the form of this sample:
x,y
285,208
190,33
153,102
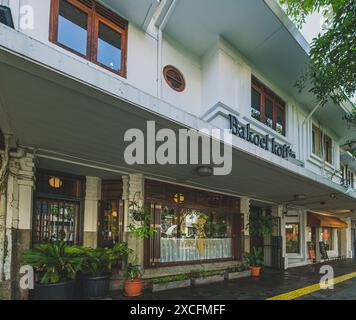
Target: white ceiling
x,y
137,11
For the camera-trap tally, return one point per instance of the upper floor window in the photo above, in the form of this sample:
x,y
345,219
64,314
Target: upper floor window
x,y
88,29
267,107
322,145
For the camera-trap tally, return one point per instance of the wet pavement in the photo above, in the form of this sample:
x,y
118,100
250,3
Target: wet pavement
x,y
271,283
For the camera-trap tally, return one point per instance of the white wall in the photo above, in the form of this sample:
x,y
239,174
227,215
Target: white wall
x,y
190,66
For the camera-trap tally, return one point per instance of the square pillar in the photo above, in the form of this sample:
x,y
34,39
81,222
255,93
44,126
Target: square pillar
x,y
245,211
91,211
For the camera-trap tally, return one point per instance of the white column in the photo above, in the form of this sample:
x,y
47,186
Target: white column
x,y
18,217
245,211
91,207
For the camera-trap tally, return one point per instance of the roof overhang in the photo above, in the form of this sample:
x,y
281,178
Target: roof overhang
x,y
140,12
263,34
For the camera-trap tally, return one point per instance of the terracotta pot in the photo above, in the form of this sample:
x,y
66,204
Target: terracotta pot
x,y
255,271
133,288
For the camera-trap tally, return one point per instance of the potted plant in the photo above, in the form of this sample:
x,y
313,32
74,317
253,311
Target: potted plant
x,y
170,282
97,266
55,266
133,286
239,271
255,259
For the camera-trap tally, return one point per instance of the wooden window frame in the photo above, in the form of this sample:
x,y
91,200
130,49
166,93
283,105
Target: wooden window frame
x,y
277,104
323,137
299,238
91,8
155,202
168,68
47,196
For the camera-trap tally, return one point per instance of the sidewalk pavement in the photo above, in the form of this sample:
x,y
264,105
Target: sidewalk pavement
x,y
271,283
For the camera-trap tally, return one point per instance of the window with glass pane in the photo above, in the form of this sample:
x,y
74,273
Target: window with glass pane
x,y
269,113
328,149
280,121
55,221
57,208
191,235
292,238
109,47
256,104
326,236
267,107
317,138
72,27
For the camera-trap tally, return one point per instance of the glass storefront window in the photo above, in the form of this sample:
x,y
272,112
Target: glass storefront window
x,y
326,236
190,235
292,238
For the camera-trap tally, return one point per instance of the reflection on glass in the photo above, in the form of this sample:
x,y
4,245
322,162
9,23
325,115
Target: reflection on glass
x,y
292,238
269,113
326,236
54,221
111,223
256,104
188,235
72,27
109,47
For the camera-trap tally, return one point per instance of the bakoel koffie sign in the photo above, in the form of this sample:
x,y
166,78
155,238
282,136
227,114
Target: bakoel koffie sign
x,y
264,142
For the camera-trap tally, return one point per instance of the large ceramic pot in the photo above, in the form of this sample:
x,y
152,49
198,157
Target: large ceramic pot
x,y
133,288
255,271
95,287
57,291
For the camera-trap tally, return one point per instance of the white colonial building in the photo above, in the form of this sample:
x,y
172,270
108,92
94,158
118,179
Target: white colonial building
x,y
75,75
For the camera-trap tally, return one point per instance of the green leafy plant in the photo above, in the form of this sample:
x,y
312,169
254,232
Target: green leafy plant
x,y
255,258
133,272
261,226
331,71
205,273
238,268
54,262
98,262
178,277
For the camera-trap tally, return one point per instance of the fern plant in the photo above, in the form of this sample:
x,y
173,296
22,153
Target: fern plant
x,y
54,262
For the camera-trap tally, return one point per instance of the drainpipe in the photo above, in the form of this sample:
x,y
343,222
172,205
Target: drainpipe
x,y
161,27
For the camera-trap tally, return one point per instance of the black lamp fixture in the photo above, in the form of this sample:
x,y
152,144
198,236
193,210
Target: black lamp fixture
x,y
205,171
6,17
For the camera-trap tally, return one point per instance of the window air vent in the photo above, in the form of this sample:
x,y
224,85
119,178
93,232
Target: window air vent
x,y
108,14
87,3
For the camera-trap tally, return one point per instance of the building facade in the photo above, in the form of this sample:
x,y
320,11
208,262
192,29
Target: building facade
x,y
75,75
